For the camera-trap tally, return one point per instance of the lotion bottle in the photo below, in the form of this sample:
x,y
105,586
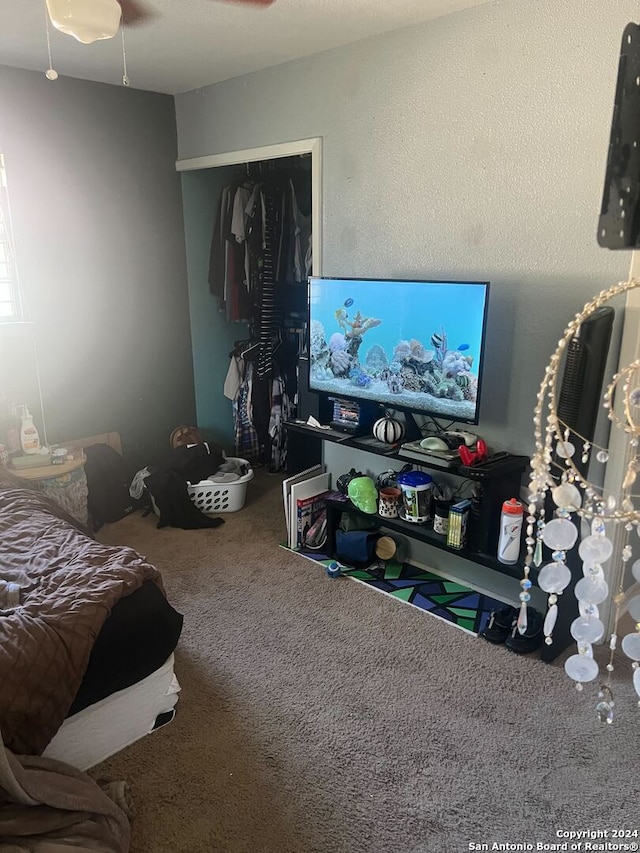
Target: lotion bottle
x,y
29,438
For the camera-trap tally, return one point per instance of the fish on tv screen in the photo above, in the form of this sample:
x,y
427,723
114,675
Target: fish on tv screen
x,y
410,345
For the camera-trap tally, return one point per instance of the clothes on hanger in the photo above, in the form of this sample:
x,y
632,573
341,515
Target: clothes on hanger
x,y
260,253
256,216
261,406
281,412
269,315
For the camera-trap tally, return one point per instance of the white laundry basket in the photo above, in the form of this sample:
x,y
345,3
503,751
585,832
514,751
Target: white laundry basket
x,y
211,497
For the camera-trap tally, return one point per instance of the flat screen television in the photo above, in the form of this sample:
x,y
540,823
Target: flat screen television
x,y
413,346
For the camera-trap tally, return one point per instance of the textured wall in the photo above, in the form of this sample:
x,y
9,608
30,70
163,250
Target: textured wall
x,y
100,244
473,146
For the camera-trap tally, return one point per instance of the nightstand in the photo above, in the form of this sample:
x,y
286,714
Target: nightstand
x,y
66,484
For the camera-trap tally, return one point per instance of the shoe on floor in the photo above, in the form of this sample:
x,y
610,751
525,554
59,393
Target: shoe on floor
x,y
532,638
500,624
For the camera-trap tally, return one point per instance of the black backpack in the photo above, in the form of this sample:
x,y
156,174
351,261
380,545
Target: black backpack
x,y
108,480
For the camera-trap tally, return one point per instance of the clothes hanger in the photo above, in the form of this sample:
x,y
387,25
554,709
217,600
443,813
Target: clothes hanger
x,y
252,347
241,347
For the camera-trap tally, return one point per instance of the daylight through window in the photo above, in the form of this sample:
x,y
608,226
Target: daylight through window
x,y
9,295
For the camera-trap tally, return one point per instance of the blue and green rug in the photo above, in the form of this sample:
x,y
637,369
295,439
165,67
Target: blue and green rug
x,y
463,607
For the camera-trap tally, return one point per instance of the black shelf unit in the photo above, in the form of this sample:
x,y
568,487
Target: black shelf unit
x,y
499,481
419,532
496,482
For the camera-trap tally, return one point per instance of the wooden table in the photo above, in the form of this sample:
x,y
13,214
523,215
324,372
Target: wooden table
x,y
65,483
46,472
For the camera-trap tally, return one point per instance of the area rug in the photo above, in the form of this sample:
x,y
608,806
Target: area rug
x,y
463,607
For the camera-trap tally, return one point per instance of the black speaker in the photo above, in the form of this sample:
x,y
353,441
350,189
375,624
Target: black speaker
x,y
310,403
580,394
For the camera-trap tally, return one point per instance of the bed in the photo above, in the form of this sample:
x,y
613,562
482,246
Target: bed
x,y
86,649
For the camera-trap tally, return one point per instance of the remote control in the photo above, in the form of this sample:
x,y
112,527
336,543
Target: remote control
x,y
467,437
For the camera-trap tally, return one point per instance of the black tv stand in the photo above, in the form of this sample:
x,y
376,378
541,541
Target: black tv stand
x,y
412,431
499,479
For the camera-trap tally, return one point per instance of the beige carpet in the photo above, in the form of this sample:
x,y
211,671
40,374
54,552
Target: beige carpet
x,y
317,715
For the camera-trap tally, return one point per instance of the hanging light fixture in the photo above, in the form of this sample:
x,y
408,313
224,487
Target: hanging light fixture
x,y
605,568
86,20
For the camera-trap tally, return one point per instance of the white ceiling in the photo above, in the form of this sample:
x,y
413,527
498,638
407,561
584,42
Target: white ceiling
x,y
193,43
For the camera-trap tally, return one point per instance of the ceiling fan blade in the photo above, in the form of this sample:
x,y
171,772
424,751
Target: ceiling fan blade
x,y
134,13
251,2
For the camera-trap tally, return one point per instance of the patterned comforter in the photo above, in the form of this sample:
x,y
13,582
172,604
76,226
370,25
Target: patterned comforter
x,y
68,585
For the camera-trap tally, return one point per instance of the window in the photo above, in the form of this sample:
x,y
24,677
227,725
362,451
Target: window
x,y
10,308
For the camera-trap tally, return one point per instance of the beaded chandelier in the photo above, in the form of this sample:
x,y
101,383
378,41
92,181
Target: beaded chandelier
x,y
555,474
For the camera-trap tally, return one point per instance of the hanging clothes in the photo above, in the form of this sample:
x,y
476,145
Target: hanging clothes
x,y
269,315
281,412
294,255
247,444
227,256
259,258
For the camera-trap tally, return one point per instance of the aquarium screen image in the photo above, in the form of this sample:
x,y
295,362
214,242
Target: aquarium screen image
x,y
412,345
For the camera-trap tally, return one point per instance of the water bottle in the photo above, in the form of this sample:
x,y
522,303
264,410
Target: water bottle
x,y
510,530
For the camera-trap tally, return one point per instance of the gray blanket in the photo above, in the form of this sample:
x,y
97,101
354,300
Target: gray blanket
x,y
68,585
49,807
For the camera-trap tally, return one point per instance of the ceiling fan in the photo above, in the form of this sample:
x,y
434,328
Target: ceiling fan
x,y
135,12
92,20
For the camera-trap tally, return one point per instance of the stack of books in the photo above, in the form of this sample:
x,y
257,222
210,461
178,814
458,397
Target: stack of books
x,y
304,508
458,517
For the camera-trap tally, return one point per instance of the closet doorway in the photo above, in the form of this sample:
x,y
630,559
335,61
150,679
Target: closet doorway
x,y
222,325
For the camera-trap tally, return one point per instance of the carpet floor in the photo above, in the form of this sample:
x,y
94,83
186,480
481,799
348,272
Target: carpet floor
x,y
445,599
318,716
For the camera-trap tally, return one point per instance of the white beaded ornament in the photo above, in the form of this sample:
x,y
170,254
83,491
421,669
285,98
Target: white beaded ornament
x,y
554,472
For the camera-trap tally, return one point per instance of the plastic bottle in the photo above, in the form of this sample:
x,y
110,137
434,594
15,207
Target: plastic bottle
x,y
416,496
29,438
510,530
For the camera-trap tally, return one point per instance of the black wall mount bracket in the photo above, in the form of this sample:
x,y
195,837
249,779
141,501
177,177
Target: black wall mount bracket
x,y
619,222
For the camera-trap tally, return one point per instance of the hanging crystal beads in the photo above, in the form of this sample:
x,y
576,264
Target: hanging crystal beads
x,y
595,549
554,577
522,618
604,708
565,449
550,621
633,608
567,496
581,668
631,646
587,629
537,554
554,475
560,534
593,591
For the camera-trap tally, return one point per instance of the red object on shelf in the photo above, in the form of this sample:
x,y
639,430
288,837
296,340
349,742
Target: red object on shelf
x,y
472,457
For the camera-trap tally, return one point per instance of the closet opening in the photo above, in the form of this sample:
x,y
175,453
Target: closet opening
x,y
252,232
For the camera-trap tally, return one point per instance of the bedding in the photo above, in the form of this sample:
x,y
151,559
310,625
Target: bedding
x,y
138,637
90,736
69,584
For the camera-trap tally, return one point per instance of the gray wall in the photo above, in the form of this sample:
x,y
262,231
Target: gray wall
x,y
473,146
100,242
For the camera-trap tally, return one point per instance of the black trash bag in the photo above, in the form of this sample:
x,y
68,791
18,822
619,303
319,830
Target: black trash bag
x,y
194,463
171,496
108,479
